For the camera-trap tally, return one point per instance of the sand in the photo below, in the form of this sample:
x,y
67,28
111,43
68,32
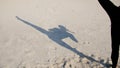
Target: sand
x,y
54,34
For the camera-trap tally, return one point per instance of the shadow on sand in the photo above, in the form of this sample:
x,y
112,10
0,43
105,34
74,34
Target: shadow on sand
x,y
57,34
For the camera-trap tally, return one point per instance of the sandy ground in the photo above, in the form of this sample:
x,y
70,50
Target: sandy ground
x,y
54,34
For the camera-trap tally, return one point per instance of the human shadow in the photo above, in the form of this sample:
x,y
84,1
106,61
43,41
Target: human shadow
x,y
114,14
57,35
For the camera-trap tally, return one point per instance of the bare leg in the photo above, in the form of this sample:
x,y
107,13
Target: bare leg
x,y
115,51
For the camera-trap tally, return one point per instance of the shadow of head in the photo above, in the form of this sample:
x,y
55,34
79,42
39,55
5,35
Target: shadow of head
x,y
62,27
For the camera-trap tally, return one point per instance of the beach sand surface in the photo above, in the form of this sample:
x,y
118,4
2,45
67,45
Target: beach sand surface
x,y
54,34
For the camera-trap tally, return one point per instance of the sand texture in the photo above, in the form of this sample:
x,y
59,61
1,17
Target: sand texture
x,y
54,34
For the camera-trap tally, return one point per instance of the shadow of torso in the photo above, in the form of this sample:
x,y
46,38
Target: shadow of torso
x,y
58,34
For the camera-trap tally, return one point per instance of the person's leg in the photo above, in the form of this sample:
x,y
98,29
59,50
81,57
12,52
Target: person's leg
x,y
115,52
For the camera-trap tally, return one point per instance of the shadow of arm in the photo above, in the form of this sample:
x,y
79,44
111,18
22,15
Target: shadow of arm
x,y
73,38
32,25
